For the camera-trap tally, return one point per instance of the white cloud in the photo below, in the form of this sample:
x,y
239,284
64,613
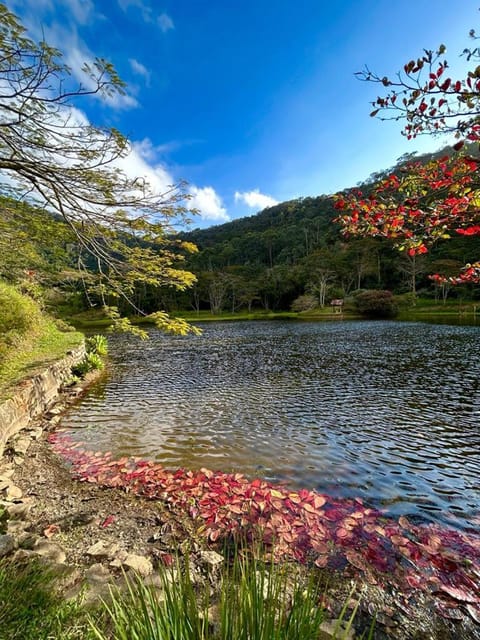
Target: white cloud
x,y
140,70
209,204
165,22
82,10
139,5
66,39
254,199
76,56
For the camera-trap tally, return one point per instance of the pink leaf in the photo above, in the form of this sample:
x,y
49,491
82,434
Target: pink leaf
x,y
459,594
107,521
51,530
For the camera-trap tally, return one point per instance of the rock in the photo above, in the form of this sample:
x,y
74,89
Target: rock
x,y
13,492
333,629
49,550
21,555
19,510
27,540
139,564
79,519
21,446
212,558
7,545
102,549
37,433
97,573
17,527
18,460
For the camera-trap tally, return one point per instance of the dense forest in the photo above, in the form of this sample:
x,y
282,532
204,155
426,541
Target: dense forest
x,y
291,255
295,254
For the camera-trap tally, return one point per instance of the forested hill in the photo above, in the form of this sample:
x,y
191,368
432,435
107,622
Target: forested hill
x,y
295,249
282,234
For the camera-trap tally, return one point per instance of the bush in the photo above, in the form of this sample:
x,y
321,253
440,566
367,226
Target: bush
x,y
97,344
20,318
96,347
304,303
376,304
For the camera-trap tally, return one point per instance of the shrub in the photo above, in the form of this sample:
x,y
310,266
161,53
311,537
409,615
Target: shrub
x,y
18,313
304,303
376,304
97,344
96,347
91,362
20,319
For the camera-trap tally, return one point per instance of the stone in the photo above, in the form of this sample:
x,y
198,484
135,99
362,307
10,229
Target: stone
x,y
97,573
139,564
212,558
27,540
21,555
13,492
21,445
336,628
19,510
102,549
37,433
7,545
49,550
17,527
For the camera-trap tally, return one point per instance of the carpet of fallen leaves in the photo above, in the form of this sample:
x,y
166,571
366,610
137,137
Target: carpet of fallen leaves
x,y
339,534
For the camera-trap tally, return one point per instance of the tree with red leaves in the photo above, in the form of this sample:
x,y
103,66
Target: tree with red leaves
x,y
425,202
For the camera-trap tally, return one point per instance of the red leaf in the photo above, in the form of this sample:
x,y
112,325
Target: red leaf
x,y
459,594
319,501
51,530
109,520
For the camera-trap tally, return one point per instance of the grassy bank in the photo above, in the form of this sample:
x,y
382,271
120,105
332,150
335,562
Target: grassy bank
x,y
422,308
29,339
252,599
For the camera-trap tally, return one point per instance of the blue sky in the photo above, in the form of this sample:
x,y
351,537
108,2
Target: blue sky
x,y
251,102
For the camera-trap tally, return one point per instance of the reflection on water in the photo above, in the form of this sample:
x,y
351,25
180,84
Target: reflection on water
x,y
387,411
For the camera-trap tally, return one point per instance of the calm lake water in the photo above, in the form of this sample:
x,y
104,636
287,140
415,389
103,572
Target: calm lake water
x,y
387,411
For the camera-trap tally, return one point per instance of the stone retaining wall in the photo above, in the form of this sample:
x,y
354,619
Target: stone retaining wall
x,y
35,395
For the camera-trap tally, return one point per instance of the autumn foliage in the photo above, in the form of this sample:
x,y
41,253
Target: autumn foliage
x,y
428,202
307,526
418,206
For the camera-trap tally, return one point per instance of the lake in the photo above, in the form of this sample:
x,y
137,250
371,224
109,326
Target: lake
x,y
387,411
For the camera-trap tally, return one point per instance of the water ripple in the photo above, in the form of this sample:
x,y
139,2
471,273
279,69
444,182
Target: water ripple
x,y
385,410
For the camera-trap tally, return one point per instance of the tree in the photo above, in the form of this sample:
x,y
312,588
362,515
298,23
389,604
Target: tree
x,y
59,161
425,203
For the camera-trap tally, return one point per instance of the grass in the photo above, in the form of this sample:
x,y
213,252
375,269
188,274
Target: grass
x,y
31,608
29,339
257,601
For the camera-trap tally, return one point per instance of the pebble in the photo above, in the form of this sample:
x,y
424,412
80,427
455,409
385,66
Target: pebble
x,y
13,492
49,550
97,573
139,564
332,629
103,549
212,558
19,510
7,545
